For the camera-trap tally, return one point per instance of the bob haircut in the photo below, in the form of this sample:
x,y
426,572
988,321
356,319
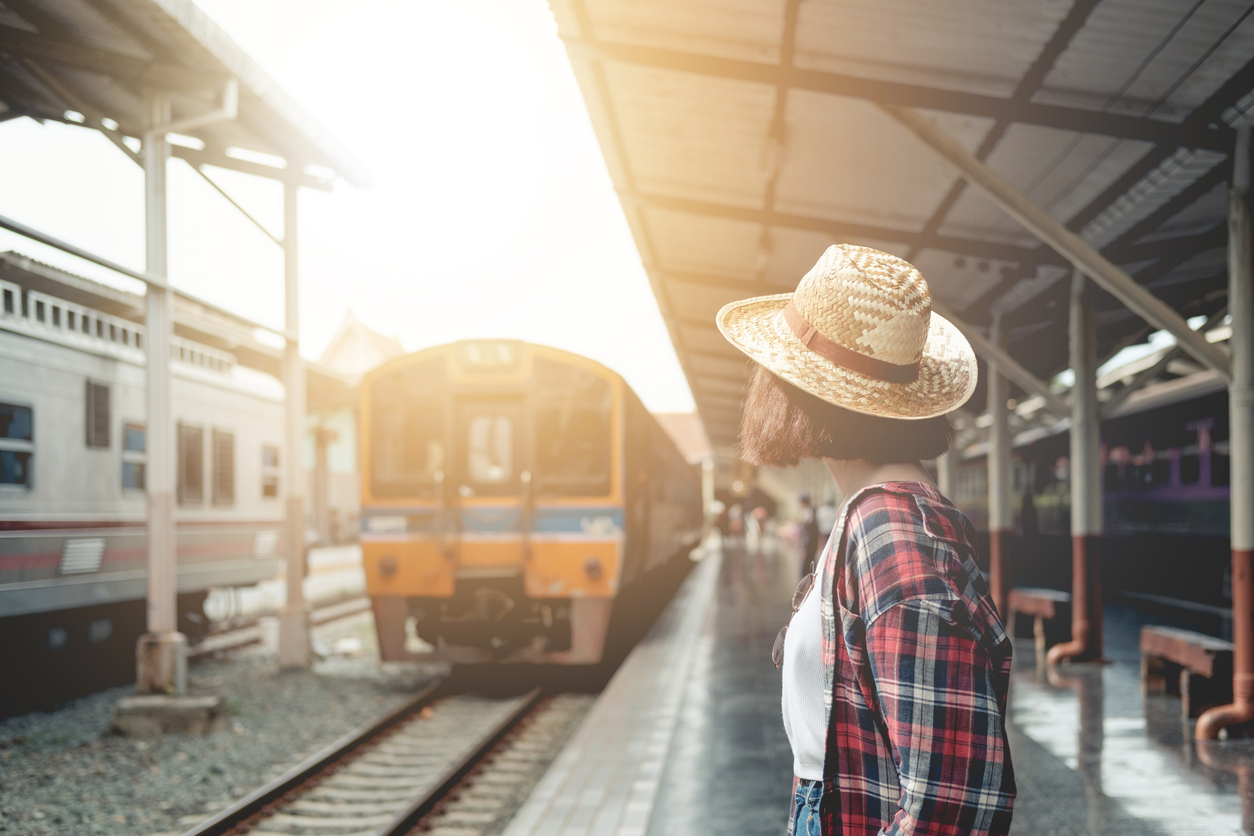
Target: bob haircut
x,y
781,425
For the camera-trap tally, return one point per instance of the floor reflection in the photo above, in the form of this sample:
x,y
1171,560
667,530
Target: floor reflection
x,y
1139,770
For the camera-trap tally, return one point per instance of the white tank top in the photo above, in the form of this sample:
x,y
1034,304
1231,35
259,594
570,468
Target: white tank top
x,y
802,699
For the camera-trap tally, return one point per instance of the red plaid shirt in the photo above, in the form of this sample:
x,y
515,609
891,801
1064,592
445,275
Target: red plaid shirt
x,y
917,666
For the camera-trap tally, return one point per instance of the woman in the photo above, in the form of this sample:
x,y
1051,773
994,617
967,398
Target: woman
x,y
895,663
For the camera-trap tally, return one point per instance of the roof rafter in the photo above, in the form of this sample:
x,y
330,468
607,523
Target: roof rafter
x,y
1156,131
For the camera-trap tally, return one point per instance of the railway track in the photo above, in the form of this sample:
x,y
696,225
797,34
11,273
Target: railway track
x,y
408,766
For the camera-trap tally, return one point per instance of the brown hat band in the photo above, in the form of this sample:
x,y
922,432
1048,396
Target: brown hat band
x,y
843,357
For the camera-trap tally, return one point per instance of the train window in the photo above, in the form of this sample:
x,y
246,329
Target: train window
x,y
191,470
269,471
56,316
15,422
1190,458
69,320
97,419
100,328
8,301
1111,480
223,468
571,410
39,310
490,449
407,430
134,476
134,438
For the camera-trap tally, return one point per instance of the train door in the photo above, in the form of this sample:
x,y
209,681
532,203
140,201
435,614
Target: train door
x,y
490,475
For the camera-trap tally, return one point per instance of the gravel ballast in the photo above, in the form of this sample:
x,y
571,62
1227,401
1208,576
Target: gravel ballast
x,y
65,771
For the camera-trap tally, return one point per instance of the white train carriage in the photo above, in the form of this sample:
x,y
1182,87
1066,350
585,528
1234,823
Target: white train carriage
x,y
73,548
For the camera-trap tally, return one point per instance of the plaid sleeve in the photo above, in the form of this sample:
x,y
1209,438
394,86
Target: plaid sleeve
x,y
936,687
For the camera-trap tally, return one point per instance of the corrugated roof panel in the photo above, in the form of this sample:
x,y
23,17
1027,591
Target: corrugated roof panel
x,y
744,29
693,136
1203,214
720,368
1142,56
958,281
1061,171
846,160
702,338
1172,176
698,244
980,45
700,302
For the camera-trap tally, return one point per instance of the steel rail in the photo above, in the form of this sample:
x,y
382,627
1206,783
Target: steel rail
x,y
407,819
255,802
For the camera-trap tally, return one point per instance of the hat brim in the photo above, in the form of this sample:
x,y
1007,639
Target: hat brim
x,y
947,370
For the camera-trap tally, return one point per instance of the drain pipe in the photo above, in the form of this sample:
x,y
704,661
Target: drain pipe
x,y
1241,421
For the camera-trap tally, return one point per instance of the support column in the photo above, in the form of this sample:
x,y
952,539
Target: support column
x,y
1241,422
161,655
999,511
1086,484
295,650
945,474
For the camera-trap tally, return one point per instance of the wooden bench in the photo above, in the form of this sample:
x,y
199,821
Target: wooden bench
x,y
1195,666
1043,606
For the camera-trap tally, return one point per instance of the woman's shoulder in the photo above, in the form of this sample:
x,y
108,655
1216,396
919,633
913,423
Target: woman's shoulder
x,y
905,541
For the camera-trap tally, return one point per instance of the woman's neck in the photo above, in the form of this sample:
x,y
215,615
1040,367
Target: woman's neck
x,y
852,475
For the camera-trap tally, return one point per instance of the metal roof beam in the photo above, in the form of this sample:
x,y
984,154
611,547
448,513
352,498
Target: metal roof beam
x,y
897,94
19,43
1071,246
1006,365
844,229
217,159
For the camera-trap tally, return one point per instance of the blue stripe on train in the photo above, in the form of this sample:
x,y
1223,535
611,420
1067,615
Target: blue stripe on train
x,y
501,520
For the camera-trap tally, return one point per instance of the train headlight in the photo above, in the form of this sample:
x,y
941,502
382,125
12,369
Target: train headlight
x,y
387,566
593,569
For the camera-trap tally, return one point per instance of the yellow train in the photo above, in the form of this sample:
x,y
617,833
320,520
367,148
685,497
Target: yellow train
x,y
510,493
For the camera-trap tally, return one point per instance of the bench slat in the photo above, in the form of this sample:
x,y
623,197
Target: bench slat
x,y
1195,651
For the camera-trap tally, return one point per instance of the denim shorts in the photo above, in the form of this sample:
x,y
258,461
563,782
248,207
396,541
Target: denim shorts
x,y
805,807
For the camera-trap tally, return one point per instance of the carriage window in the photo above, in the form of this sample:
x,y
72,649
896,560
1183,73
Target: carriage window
x,y
16,447
134,448
97,415
269,471
191,470
223,468
1190,459
490,449
572,431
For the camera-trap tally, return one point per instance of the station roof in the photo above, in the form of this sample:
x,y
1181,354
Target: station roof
x,y
744,138
95,58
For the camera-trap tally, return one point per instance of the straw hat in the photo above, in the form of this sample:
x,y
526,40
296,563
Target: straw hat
x,y
859,333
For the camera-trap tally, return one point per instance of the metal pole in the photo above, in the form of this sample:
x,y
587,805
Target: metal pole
x,y
1241,441
1086,486
999,513
1069,245
294,640
161,655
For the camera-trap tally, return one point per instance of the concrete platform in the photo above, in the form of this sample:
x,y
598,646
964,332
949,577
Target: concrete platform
x,y
687,738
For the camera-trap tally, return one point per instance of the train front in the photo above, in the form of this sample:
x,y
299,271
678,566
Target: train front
x,y
492,503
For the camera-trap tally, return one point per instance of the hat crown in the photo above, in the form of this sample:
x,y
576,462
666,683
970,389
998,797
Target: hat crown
x,y
868,301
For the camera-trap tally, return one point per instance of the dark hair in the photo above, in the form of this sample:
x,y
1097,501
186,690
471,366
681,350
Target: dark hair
x,y
781,425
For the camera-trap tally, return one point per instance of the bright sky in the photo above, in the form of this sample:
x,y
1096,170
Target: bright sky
x,y
492,213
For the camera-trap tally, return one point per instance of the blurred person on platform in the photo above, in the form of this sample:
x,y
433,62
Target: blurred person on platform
x,y
807,530
895,663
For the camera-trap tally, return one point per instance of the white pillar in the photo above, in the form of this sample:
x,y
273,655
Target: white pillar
x,y
1086,483
294,640
999,511
162,651
945,474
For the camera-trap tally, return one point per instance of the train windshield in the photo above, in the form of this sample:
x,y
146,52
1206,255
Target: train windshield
x,y
489,441
408,434
572,431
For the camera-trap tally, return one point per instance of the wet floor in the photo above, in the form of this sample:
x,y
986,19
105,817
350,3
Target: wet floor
x,y
1092,756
